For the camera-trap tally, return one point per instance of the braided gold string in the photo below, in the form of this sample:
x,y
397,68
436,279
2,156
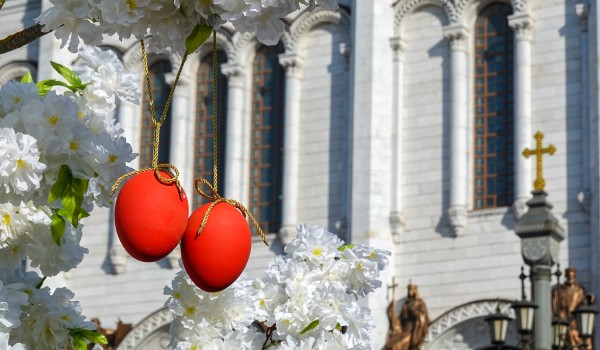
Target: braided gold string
x,y
157,124
214,96
214,197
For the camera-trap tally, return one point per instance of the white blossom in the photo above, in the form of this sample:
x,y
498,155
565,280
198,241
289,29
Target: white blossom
x,y
307,298
52,258
6,346
105,72
167,23
20,166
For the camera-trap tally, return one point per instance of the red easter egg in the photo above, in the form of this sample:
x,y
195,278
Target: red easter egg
x,y
150,216
216,257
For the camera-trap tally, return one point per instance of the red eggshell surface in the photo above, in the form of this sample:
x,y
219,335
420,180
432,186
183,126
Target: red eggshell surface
x,y
150,216
216,257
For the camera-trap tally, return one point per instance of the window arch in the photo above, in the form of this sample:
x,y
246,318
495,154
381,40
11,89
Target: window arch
x,y
494,112
160,93
203,139
266,140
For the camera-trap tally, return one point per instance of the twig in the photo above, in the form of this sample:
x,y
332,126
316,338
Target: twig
x,y
1,3
22,38
269,336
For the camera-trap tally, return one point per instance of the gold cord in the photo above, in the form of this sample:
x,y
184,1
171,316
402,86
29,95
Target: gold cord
x,y
157,124
214,119
215,198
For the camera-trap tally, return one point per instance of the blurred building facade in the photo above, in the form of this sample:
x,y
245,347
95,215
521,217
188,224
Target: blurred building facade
x,y
399,124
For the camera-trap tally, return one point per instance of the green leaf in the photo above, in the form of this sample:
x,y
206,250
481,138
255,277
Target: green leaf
x,y
197,37
81,336
70,191
27,78
46,85
68,74
83,214
79,343
314,324
349,246
57,228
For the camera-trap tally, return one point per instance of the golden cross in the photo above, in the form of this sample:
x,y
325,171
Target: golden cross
x,y
539,182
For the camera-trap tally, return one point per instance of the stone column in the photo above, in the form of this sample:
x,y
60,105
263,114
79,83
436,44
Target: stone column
x,y
370,118
129,118
291,145
397,222
522,25
234,158
457,213
540,235
584,194
182,135
541,292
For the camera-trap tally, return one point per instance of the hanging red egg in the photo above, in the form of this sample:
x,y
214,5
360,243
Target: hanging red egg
x,y
150,216
216,257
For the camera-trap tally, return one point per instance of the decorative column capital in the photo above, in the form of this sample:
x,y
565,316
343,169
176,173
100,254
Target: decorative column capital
x,y
182,84
397,225
234,73
287,233
292,63
582,10
457,35
522,24
398,46
118,258
345,51
457,218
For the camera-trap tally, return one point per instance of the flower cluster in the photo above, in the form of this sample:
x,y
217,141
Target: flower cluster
x,y
59,156
167,22
32,317
54,147
306,299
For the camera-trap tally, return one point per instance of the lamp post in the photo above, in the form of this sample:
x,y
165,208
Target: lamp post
x,y
585,314
524,311
559,333
498,323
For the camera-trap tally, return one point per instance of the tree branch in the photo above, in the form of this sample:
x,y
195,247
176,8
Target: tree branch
x,y
1,3
22,38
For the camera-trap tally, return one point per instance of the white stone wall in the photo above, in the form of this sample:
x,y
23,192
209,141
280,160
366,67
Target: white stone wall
x,y
484,263
323,130
16,15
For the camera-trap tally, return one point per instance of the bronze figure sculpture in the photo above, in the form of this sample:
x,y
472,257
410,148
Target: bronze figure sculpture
x,y
566,298
408,329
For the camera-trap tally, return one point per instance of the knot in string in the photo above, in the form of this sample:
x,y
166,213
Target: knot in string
x,y
216,199
169,168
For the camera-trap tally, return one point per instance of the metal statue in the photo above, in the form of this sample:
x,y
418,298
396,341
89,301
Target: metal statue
x,y
408,329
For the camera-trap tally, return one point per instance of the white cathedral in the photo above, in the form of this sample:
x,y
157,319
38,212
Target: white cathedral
x,y
396,123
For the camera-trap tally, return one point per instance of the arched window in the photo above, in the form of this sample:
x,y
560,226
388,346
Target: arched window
x,y
203,161
160,93
266,148
494,115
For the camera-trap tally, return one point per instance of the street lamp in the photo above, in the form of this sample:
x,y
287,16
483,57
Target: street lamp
x,y
524,311
498,325
585,314
559,330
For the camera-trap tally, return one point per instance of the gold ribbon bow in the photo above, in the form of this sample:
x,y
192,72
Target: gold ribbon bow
x,y
169,167
216,199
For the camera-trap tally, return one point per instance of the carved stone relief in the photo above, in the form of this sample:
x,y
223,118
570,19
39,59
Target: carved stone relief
x,y
150,334
464,327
